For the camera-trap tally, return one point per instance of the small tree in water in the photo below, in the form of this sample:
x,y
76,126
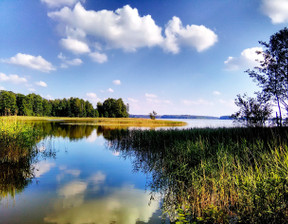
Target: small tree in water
x,y
253,112
153,115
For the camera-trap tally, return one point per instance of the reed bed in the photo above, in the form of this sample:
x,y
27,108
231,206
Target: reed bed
x,y
16,139
235,175
16,152
126,122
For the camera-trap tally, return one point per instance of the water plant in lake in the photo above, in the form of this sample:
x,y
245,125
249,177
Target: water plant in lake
x,y
236,175
17,136
16,155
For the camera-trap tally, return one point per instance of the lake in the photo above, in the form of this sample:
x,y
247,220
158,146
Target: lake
x,y
75,176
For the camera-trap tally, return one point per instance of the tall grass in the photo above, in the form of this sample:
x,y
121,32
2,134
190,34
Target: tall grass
x,y
16,153
117,122
233,175
16,139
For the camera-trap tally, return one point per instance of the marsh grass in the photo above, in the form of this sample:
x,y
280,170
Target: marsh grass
x,y
118,122
234,175
16,139
16,152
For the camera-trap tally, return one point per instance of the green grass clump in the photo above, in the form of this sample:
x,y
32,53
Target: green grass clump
x,y
235,175
16,139
16,154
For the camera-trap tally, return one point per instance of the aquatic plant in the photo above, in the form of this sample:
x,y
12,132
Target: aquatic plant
x,y
235,175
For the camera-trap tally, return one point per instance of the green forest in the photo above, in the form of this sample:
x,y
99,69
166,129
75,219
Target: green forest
x,y
35,105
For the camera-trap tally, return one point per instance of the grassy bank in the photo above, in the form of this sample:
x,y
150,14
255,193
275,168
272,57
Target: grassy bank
x,y
116,122
233,175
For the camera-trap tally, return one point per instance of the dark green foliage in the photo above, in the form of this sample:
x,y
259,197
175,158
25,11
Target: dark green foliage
x,y
20,101
153,115
7,103
253,112
272,74
35,105
112,108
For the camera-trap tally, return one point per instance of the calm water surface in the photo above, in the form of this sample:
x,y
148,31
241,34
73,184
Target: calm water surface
x,y
75,177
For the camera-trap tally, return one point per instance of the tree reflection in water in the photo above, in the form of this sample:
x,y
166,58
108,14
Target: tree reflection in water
x,y
18,165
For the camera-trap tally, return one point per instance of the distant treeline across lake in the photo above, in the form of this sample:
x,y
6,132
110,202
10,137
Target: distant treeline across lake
x,y
35,105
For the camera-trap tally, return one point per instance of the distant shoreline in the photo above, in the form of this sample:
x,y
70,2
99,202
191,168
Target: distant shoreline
x,y
183,117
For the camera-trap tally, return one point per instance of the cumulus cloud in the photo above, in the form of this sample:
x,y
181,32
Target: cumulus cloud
x,y
114,207
30,61
42,167
98,57
195,36
110,90
248,59
92,97
98,178
75,46
31,90
126,29
73,188
216,93
132,100
117,82
150,95
41,83
277,10
66,62
15,79
59,3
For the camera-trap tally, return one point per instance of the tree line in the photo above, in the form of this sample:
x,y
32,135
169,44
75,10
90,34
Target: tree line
x,y
35,105
272,77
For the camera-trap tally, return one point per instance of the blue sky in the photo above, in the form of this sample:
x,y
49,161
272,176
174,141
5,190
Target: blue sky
x,y
174,57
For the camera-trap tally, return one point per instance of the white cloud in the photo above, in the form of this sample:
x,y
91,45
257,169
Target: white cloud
x,y
110,90
75,46
125,29
117,82
59,3
150,95
48,97
15,79
93,98
216,93
195,36
277,10
74,62
41,83
2,88
42,167
91,95
73,188
98,57
31,90
119,205
98,178
30,61
67,62
248,59
132,100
